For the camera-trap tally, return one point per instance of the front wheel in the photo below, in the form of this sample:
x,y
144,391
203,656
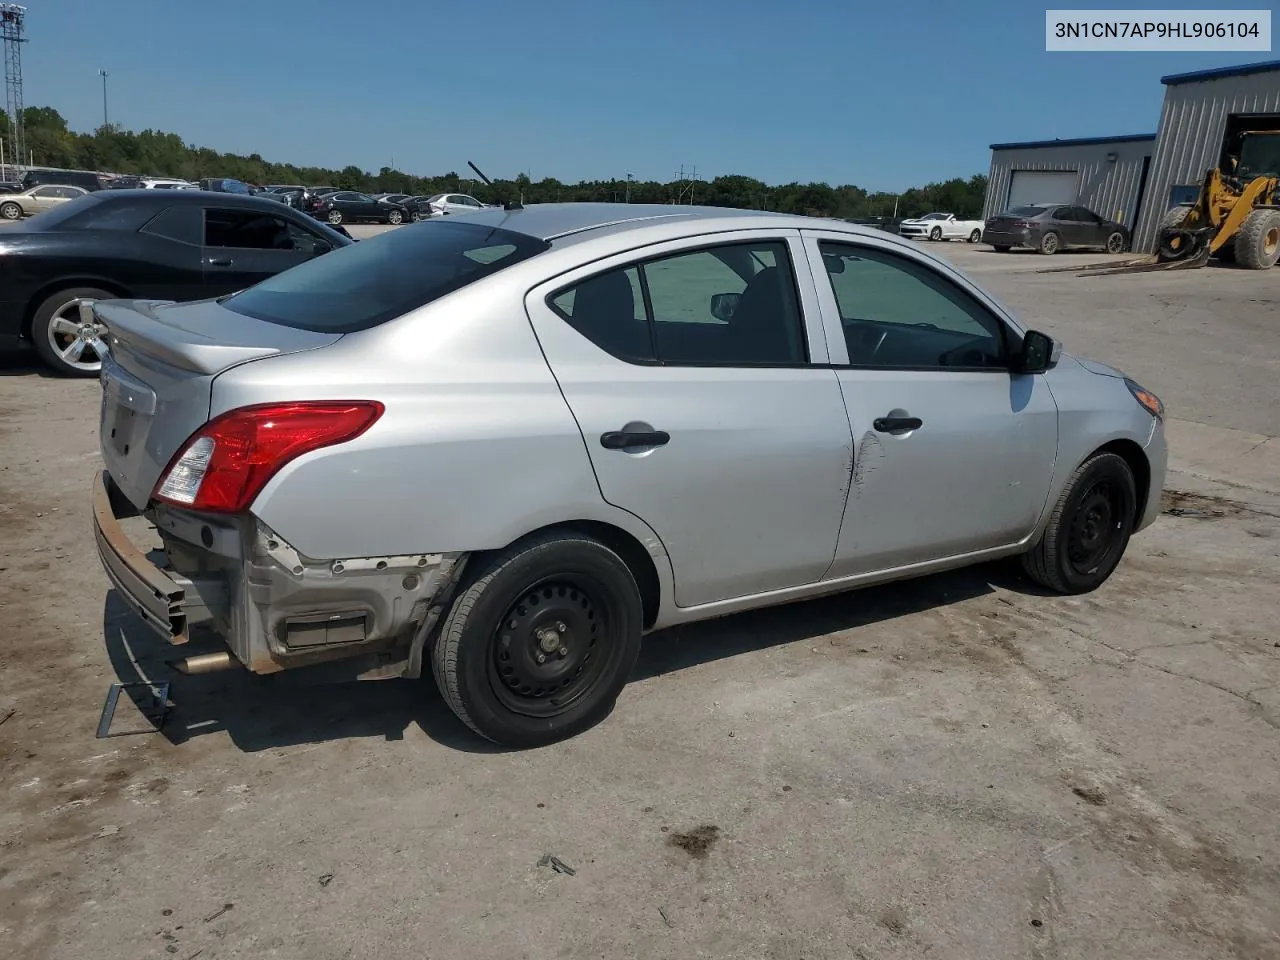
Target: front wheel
x,y
335,217
539,645
975,236
10,211
395,217
935,233
1088,528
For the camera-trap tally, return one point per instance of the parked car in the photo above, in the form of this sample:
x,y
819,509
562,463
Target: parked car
x,y
419,207
166,244
347,206
941,226
1050,227
15,206
450,203
225,185
314,196
536,464
74,178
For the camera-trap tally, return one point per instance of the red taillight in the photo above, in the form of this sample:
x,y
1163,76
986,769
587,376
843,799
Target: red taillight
x,y
226,463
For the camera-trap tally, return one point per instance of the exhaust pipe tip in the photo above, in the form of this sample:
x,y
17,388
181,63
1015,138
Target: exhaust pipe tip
x,y
204,663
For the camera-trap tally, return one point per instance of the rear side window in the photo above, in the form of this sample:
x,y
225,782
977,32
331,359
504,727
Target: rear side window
x,y
373,281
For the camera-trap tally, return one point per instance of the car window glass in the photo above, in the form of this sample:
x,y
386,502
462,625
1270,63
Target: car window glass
x,y
45,192
896,312
608,309
246,229
342,196
182,223
365,284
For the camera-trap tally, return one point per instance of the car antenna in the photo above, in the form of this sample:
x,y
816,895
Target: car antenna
x,y
508,204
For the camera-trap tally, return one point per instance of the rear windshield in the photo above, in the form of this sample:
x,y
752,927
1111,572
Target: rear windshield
x,y
373,281
1024,212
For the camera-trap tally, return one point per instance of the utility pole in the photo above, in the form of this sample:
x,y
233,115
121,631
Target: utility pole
x,y
103,74
629,179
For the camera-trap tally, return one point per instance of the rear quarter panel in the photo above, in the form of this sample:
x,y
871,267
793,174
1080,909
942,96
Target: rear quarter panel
x,y
477,446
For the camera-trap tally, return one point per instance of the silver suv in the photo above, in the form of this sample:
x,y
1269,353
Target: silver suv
x,y
509,444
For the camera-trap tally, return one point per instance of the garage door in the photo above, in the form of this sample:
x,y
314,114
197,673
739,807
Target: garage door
x,y
1038,186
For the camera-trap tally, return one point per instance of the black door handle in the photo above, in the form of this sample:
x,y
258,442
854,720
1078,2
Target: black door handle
x,y
895,424
221,262
621,439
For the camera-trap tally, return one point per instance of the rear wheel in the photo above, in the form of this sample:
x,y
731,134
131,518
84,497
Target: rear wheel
x,y
1257,244
935,233
10,211
1115,242
975,236
65,334
1088,528
335,216
1049,244
538,647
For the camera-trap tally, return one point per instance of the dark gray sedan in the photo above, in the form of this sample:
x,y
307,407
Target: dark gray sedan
x,y
1049,228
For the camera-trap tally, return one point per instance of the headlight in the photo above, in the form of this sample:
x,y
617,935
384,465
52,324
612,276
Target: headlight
x,y
1149,401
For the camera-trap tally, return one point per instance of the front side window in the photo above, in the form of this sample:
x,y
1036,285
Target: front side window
x,y
368,283
732,305
46,193
896,312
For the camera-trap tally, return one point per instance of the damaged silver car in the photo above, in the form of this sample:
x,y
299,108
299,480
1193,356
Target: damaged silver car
x,y
508,444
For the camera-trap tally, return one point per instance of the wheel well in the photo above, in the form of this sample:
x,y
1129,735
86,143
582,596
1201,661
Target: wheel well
x,y
41,295
631,550
1136,458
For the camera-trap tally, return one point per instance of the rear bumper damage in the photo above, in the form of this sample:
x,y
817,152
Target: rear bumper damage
x,y
274,608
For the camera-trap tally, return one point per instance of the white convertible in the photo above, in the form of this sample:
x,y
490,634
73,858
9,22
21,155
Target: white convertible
x,y
941,226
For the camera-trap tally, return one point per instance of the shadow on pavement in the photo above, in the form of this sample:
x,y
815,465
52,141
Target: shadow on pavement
x,y
299,707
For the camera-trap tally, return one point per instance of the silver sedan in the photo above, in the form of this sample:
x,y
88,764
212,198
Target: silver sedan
x,y
509,444
15,206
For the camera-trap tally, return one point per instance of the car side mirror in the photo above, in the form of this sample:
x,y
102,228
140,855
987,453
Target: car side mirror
x,y
723,305
320,246
1039,352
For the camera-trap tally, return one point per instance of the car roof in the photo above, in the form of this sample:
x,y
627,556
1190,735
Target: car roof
x,y
176,197
556,221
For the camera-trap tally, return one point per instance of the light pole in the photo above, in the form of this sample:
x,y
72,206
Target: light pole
x,y
629,179
103,74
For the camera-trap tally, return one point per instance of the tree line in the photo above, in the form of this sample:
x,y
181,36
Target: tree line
x,y
113,149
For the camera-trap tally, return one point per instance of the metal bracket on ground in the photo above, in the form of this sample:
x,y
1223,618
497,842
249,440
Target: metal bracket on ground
x,y
157,712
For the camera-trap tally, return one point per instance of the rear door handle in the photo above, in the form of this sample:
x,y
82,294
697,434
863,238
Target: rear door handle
x,y
896,424
621,439
219,262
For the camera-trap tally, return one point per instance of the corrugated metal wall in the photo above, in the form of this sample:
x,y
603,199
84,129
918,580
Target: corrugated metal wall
x,y
1108,188
1192,125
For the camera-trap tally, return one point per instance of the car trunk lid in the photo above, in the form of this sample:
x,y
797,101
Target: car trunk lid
x,y
158,377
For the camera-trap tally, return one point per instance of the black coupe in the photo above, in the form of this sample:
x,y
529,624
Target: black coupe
x,y
140,244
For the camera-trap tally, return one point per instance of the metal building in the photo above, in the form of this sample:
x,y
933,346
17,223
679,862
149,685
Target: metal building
x,y
1202,112
1106,174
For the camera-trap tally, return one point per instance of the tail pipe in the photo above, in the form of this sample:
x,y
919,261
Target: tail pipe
x,y
205,663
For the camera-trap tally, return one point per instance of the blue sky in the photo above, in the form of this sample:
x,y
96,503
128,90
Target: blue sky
x,y
884,95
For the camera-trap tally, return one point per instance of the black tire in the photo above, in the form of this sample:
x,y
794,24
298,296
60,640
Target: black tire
x,y
416,216
1175,215
44,339
975,236
1088,528
1050,243
935,233
395,218
10,211
1001,248
1115,242
334,217
1257,242
559,584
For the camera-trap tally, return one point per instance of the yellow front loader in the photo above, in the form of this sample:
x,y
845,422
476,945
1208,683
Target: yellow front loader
x,y
1235,216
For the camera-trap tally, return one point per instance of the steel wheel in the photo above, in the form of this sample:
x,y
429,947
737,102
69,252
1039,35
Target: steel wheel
x,y
1115,242
1093,534
335,216
10,211
544,654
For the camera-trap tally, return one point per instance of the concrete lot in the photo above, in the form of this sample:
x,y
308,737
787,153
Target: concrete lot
x,y
958,767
